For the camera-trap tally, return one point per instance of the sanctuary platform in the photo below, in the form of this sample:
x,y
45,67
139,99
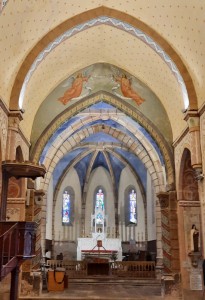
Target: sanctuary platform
x,y
99,246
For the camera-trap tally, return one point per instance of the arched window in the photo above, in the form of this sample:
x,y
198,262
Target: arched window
x,y
99,206
133,207
67,207
130,206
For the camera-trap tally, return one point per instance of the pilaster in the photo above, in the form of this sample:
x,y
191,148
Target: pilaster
x,y
169,225
14,119
193,121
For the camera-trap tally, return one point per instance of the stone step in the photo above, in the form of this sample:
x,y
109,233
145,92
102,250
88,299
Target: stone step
x,y
108,280
105,288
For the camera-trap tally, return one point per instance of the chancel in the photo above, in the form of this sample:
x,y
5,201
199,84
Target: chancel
x,y
99,245
102,138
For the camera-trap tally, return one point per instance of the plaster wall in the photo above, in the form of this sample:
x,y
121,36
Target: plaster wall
x,y
138,232
68,232
151,210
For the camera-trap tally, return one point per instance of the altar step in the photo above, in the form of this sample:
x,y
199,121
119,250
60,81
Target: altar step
x,y
99,280
137,287
104,288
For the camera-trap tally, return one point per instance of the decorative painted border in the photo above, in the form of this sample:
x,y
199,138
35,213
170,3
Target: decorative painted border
x,y
117,24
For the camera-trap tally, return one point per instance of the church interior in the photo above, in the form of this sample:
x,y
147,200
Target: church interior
x,y
102,138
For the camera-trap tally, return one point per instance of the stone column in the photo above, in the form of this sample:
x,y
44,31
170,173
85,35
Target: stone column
x,y
169,223
193,122
201,183
29,278
15,117
170,244
159,258
165,223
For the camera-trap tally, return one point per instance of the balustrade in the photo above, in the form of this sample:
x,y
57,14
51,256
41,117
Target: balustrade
x,y
17,242
134,269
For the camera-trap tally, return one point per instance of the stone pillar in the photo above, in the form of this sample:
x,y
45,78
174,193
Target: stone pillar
x,y
159,258
193,122
201,183
170,244
169,222
15,117
165,223
30,279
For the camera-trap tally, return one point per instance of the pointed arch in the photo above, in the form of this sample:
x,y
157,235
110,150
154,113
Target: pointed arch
x,y
89,15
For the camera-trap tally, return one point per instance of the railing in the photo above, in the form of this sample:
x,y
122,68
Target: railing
x,y
17,240
74,269
8,247
137,269
133,269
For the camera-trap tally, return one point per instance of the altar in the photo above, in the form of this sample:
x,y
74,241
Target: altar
x,y
99,245
89,247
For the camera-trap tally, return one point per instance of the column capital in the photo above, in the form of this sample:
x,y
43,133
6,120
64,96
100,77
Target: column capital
x,y
15,117
163,199
193,120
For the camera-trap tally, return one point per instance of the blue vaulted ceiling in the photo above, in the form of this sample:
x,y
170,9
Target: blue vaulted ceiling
x,y
112,156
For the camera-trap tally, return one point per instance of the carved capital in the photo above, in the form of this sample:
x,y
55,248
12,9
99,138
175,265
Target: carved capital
x,y
15,117
198,173
163,199
193,121
39,194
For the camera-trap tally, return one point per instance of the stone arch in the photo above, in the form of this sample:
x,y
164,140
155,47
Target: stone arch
x,y
149,158
127,109
86,16
188,211
188,186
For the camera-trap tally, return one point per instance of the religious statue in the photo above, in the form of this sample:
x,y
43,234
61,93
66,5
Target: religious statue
x,y
75,90
127,89
194,236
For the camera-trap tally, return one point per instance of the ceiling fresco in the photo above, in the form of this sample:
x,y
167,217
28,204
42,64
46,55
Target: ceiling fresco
x,y
101,77
95,79
100,149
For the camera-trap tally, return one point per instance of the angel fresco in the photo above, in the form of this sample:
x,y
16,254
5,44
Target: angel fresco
x,y
75,90
127,89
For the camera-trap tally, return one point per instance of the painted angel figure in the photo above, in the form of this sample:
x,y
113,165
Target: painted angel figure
x,y
75,90
127,90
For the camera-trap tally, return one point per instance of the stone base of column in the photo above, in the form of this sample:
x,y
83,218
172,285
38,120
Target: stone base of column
x,y
171,286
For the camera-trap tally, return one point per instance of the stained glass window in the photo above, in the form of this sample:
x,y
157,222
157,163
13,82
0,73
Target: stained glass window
x,y
100,200
133,207
99,207
66,211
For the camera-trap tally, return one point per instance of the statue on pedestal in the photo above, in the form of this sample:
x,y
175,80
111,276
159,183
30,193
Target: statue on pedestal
x,y
194,236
